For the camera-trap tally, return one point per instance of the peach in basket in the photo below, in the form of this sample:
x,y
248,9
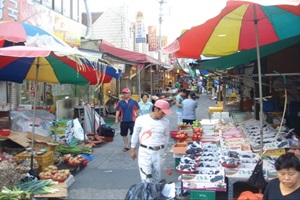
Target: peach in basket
x,y
59,177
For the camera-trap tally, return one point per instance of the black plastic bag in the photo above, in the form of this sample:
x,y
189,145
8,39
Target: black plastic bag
x,y
106,130
257,178
145,191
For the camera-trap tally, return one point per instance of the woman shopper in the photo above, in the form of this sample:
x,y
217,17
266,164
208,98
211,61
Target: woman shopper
x,y
287,185
145,104
189,108
179,98
152,132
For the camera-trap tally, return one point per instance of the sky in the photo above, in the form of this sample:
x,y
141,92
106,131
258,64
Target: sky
x,y
177,14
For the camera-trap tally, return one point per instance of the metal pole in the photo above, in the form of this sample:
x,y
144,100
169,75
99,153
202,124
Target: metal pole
x,y
138,70
259,80
161,2
34,112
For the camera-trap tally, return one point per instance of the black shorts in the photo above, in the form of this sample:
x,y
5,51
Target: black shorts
x,y
188,121
125,126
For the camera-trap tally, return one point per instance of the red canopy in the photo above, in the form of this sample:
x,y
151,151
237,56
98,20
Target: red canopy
x,y
139,58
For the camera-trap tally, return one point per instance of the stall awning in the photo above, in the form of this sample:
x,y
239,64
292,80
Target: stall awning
x,y
230,61
106,56
137,58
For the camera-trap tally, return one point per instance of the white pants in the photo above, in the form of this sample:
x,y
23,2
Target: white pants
x,y
150,163
179,117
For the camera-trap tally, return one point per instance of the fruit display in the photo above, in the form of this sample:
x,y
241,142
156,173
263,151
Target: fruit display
x,y
181,135
197,131
52,172
182,125
67,157
61,175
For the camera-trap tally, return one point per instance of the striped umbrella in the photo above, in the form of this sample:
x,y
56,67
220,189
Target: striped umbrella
x,y
65,65
16,32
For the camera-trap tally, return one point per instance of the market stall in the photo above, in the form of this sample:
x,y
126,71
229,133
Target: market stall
x,y
226,147
55,165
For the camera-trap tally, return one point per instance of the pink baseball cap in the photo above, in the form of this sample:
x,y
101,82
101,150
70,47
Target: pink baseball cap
x,y
126,90
164,106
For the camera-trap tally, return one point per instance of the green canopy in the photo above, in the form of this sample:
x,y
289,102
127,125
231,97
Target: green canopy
x,y
243,57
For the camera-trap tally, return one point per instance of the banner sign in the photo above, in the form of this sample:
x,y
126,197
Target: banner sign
x,y
152,39
140,28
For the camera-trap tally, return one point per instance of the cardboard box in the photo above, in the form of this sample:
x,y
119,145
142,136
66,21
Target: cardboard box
x,y
17,137
39,138
179,149
61,193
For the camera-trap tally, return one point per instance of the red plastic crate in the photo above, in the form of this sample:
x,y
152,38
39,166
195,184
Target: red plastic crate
x,y
173,134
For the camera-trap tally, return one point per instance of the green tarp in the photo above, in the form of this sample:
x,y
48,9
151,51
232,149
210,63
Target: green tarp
x,y
243,57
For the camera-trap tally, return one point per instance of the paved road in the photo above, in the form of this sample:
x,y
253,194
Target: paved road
x,y
112,172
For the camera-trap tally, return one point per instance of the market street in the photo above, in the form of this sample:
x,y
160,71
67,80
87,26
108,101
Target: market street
x,y
112,172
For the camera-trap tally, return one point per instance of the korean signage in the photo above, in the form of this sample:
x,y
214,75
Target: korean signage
x,y
140,28
38,15
9,9
152,39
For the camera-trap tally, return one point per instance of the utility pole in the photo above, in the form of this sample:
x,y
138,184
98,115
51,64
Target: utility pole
x,y
160,19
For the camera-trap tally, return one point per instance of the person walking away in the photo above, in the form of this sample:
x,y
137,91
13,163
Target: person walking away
x,y
145,104
179,98
189,108
127,110
152,132
287,185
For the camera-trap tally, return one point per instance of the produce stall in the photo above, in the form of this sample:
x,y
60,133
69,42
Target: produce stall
x,y
226,148
50,169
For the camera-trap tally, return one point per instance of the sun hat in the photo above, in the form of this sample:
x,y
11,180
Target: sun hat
x,y
164,106
126,90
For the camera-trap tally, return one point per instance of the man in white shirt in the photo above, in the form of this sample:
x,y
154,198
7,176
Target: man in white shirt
x,y
152,132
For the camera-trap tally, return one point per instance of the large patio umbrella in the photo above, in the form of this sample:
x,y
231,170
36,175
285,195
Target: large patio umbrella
x,y
64,65
240,26
19,63
17,32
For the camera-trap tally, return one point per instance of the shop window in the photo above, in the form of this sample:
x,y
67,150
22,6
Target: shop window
x,y
58,6
66,10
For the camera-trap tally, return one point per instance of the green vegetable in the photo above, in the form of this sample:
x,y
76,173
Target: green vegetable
x,y
15,194
37,186
73,149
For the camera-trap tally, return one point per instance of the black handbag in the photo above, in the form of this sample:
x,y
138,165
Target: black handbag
x,y
257,178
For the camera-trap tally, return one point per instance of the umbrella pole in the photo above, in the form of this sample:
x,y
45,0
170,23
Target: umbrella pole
x,y
34,113
259,81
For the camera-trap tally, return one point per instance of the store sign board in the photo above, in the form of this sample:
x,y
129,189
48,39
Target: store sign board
x,y
33,13
9,9
276,145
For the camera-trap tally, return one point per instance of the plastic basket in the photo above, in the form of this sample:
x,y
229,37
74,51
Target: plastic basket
x,y
41,159
43,166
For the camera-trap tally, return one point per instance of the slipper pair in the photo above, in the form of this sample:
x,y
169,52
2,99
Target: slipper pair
x,y
125,149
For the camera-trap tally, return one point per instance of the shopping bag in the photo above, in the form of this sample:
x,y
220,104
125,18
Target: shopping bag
x,y
257,178
78,130
145,191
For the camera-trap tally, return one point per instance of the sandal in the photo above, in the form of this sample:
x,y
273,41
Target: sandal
x,y
125,149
